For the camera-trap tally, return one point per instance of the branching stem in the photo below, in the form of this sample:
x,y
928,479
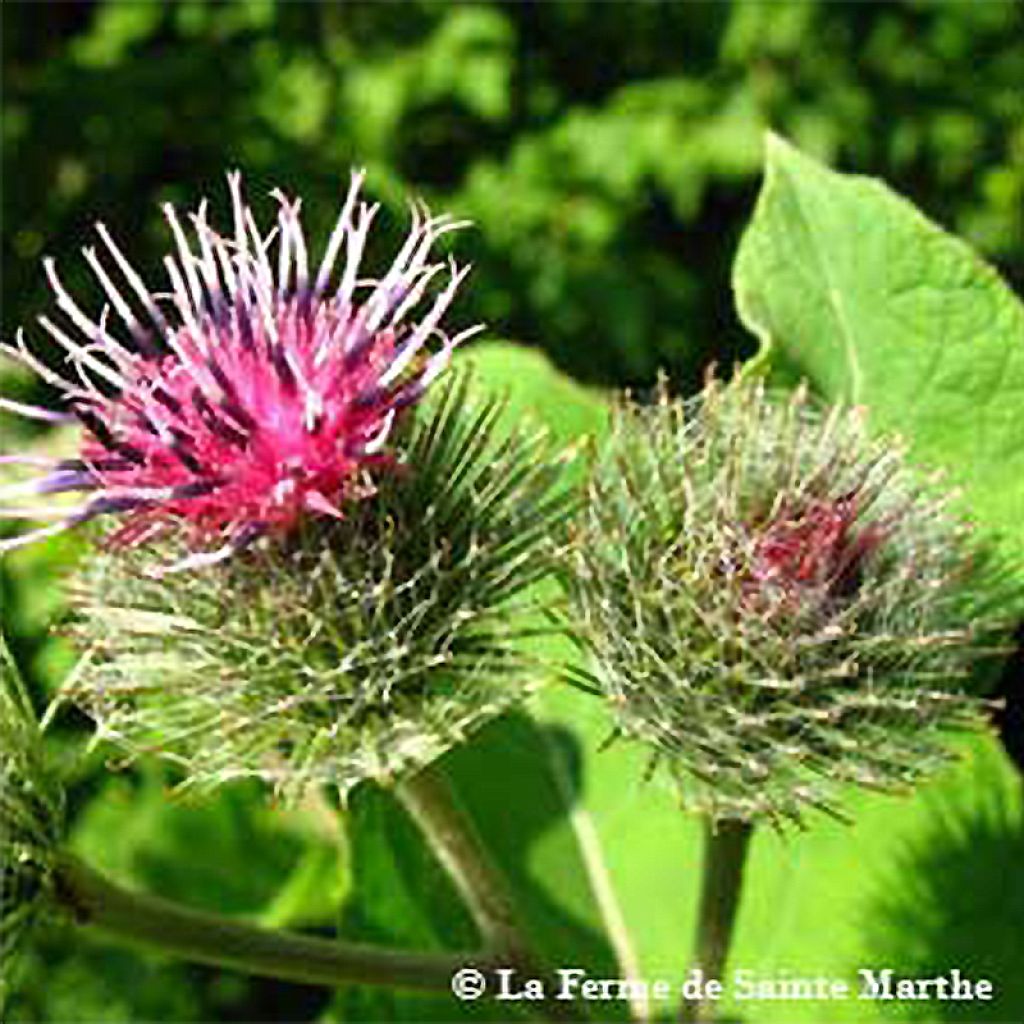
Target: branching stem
x,y
98,902
433,805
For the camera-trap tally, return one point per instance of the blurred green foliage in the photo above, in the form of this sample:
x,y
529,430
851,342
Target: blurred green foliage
x,y
608,153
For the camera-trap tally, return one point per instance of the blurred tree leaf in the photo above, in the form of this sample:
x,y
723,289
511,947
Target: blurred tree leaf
x,y
190,850
954,895
608,154
115,30
312,891
608,193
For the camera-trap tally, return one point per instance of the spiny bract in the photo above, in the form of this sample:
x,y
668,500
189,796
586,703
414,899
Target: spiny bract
x,y
772,603
352,649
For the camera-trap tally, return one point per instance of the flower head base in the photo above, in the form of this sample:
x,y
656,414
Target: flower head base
x,y
253,394
347,650
772,603
31,816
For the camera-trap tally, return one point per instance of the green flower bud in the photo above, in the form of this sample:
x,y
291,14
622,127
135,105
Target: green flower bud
x,y
353,648
31,817
773,603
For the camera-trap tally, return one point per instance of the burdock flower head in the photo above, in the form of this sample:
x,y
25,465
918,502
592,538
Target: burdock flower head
x,y
307,586
773,603
252,393
31,816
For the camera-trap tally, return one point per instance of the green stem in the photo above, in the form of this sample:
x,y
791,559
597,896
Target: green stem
x,y
433,805
725,853
100,903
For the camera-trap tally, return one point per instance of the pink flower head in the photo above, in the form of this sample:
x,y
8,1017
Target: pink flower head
x,y
250,394
815,547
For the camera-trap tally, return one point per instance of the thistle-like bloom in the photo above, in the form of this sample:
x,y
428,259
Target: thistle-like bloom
x,y
252,393
345,650
775,604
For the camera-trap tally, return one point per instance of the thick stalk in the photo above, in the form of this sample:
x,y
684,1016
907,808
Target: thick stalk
x,y
433,805
100,903
725,853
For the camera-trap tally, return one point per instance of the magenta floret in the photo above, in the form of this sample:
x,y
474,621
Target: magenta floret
x,y
249,395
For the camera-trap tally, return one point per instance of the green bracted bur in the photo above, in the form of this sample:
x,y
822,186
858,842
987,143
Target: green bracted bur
x,y
356,648
774,604
31,817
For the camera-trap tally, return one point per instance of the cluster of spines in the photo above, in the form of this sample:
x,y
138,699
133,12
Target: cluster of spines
x,y
763,693
353,649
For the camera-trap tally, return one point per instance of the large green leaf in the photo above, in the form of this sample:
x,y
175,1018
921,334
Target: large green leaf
x,y
534,389
847,284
